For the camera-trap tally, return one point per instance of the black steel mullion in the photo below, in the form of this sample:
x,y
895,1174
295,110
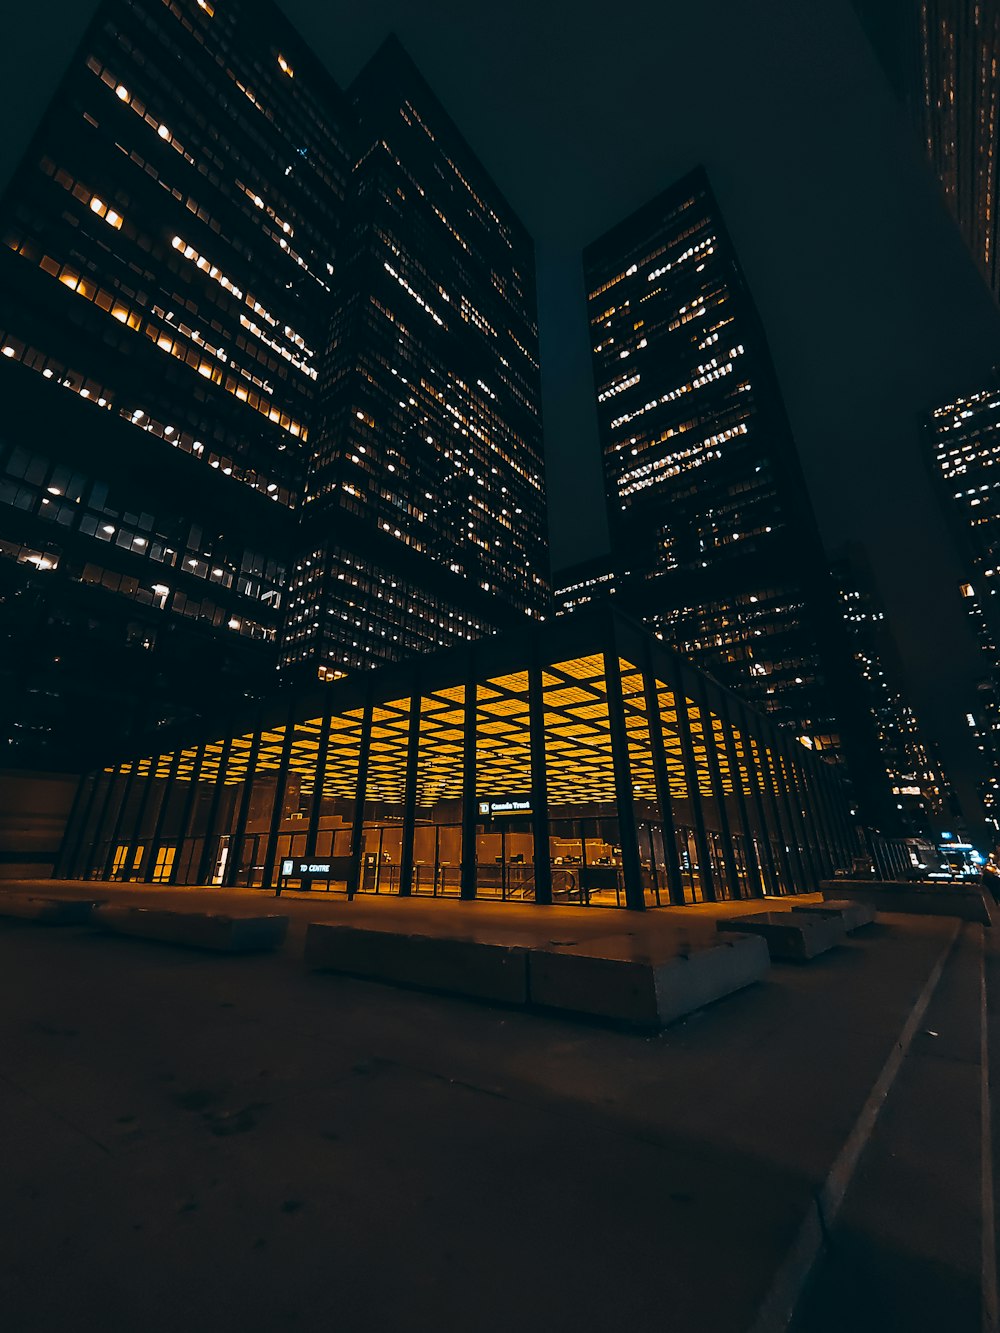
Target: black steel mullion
x,y
361,786
785,837
239,833
811,877
661,776
187,814
205,860
705,874
758,779
280,786
542,869
755,884
469,812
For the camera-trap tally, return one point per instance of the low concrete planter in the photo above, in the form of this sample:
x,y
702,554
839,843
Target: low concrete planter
x,y
196,930
852,914
790,937
457,966
969,902
614,983
48,911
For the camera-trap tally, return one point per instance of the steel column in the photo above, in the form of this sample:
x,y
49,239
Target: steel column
x,y
705,874
754,874
668,831
360,788
205,860
628,832
469,813
281,785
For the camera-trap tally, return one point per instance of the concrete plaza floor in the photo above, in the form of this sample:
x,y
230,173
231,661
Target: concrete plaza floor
x,y
238,1143
507,922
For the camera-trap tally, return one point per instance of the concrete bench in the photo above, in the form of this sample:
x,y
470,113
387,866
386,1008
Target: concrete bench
x,y
48,911
791,937
458,966
611,980
969,902
196,930
852,914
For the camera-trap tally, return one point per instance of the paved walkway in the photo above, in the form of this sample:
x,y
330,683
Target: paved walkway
x,y
498,922
239,1143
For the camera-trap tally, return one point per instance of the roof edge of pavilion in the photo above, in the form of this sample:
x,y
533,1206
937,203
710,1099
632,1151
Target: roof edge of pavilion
x,y
598,627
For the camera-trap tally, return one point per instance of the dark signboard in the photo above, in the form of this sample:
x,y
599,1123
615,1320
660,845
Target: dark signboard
x,y
335,867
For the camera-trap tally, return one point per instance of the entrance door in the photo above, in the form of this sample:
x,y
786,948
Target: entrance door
x,y
164,865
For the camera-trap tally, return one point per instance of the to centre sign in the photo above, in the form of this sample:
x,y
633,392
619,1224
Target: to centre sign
x,y
489,809
299,868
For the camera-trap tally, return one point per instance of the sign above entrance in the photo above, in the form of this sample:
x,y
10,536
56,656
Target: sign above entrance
x,y
510,807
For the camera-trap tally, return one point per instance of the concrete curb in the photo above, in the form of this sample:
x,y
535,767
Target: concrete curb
x,y
777,1309
970,902
196,930
989,1274
48,911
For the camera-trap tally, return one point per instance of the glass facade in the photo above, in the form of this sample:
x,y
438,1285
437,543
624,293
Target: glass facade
x,y
269,359
427,456
579,763
964,440
715,543
166,277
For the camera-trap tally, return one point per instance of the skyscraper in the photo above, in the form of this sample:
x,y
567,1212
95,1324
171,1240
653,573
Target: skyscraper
x,y
714,537
165,290
424,510
941,58
915,781
964,437
270,365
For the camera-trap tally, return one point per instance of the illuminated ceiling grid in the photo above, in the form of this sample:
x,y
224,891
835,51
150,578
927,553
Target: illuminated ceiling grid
x,y
673,752
578,760
640,752
442,738
386,779
343,752
503,739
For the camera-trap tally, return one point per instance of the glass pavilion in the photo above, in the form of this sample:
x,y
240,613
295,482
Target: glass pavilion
x,y
577,761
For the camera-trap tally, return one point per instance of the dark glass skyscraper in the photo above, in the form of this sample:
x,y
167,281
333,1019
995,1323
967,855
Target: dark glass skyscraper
x,y
941,56
270,370
964,437
165,290
916,784
424,510
715,541
705,494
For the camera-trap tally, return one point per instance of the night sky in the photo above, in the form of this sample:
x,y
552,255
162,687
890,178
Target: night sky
x,y
582,111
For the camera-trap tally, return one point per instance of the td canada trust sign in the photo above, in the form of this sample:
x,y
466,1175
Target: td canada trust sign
x,y
493,809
